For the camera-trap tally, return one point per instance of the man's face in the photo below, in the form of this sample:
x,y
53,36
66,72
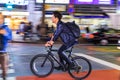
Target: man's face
x,y
53,19
1,19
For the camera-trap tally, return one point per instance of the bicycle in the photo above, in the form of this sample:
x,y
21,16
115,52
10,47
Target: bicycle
x,y
42,65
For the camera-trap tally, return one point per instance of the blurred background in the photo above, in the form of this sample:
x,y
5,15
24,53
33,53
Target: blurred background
x,y
89,15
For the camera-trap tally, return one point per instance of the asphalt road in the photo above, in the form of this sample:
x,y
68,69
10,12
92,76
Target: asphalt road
x,y
21,54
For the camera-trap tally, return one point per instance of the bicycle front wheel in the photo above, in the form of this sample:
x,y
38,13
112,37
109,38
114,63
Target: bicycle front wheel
x,y
81,68
41,65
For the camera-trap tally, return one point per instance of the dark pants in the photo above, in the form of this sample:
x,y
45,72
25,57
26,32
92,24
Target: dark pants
x,y
63,57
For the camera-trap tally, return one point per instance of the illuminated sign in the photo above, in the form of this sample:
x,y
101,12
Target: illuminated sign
x,y
119,2
16,2
54,1
9,6
55,7
91,1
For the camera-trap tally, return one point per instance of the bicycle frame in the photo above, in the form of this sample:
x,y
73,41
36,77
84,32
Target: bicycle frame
x,y
54,57
76,67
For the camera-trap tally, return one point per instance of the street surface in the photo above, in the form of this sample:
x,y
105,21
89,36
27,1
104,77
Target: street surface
x,y
21,54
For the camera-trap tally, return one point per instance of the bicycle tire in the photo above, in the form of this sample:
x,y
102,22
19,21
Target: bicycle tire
x,y
82,68
36,67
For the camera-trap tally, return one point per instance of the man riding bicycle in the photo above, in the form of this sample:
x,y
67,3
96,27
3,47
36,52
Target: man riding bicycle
x,y
65,35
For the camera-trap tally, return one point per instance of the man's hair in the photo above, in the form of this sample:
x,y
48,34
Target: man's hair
x,y
57,14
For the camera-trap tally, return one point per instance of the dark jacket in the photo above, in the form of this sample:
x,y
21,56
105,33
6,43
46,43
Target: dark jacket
x,y
64,33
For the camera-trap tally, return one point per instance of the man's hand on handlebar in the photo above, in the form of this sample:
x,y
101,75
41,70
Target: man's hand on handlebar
x,y
49,43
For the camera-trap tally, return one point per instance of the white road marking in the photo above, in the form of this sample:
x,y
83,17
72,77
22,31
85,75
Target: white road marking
x,y
9,71
9,78
10,65
114,66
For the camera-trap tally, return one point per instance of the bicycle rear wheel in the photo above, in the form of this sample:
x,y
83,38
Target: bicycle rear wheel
x,y
81,68
41,65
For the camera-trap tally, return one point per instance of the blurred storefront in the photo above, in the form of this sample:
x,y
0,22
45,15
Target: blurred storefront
x,y
84,13
13,19
14,12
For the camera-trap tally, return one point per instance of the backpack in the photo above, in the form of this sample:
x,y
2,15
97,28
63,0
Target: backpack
x,y
74,28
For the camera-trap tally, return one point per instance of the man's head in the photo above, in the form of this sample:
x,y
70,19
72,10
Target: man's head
x,y
57,16
1,19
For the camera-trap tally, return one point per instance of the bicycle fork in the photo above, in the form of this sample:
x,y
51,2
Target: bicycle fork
x,y
45,60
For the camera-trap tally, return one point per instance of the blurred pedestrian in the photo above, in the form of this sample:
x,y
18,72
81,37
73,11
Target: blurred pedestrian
x,y
38,27
21,27
87,29
27,30
5,35
28,27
